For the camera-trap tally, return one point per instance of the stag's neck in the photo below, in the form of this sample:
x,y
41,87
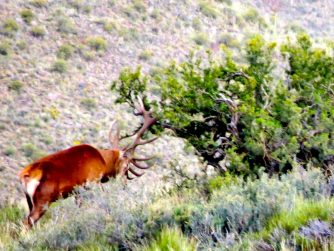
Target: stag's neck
x,y
112,160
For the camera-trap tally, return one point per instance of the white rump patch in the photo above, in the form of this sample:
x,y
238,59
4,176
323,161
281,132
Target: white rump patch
x,y
31,186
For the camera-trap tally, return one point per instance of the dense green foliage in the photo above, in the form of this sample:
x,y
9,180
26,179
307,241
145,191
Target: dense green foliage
x,y
241,117
238,215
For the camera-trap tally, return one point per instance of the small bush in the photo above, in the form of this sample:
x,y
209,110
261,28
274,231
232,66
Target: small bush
x,y
88,103
155,14
301,213
10,214
66,25
5,48
38,31
171,239
27,15
32,152
145,55
9,27
228,40
200,38
251,15
139,6
15,85
228,2
129,34
88,55
10,150
39,3
60,66
79,5
21,44
208,10
109,26
97,43
197,23
65,51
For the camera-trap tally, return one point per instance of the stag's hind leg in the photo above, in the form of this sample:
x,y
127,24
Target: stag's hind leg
x,y
40,203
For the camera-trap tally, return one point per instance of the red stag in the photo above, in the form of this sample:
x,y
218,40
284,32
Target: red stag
x,y
56,175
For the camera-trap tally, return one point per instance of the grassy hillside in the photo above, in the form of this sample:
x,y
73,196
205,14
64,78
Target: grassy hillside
x,y
57,62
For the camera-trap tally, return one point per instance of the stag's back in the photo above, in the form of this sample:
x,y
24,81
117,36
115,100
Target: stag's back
x,y
63,170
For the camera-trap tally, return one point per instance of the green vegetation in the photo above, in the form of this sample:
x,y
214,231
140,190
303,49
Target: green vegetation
x,y
60,66
244,117
66,25
38,31
254,210
39,3
65,51
32,152
27,15
15,85
207,9
145,55
303,211
9,27
200,38
10,151
88,103
97,43
5,48
169,240
258,114
109,26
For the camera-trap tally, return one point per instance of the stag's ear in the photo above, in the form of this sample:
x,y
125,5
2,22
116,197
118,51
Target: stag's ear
x,y
114,135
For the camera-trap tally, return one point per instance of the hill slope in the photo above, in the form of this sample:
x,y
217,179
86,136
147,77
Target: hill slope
x,y
58,59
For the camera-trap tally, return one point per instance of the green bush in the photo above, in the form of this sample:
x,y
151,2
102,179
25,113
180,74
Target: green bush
x,y
239,118
10,214
207,9
39,3
66,25
88,103
9,27
303,211
97,43
15,85
248,210
65,51
38,31
200,38
60,66
109,26
169,240
32,152
10,151
27,15
145,55
5,48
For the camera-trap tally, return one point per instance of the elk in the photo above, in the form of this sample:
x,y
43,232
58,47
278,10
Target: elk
x,y
55,176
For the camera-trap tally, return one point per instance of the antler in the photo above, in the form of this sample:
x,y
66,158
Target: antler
x,y
114,138
148,121
130,149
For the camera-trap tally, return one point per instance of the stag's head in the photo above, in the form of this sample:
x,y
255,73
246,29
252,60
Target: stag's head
x,y
128,161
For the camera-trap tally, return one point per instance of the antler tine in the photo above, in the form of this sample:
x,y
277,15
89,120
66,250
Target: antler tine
x,y
143,159
128,176
114,139
135,173
139,165
148,121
